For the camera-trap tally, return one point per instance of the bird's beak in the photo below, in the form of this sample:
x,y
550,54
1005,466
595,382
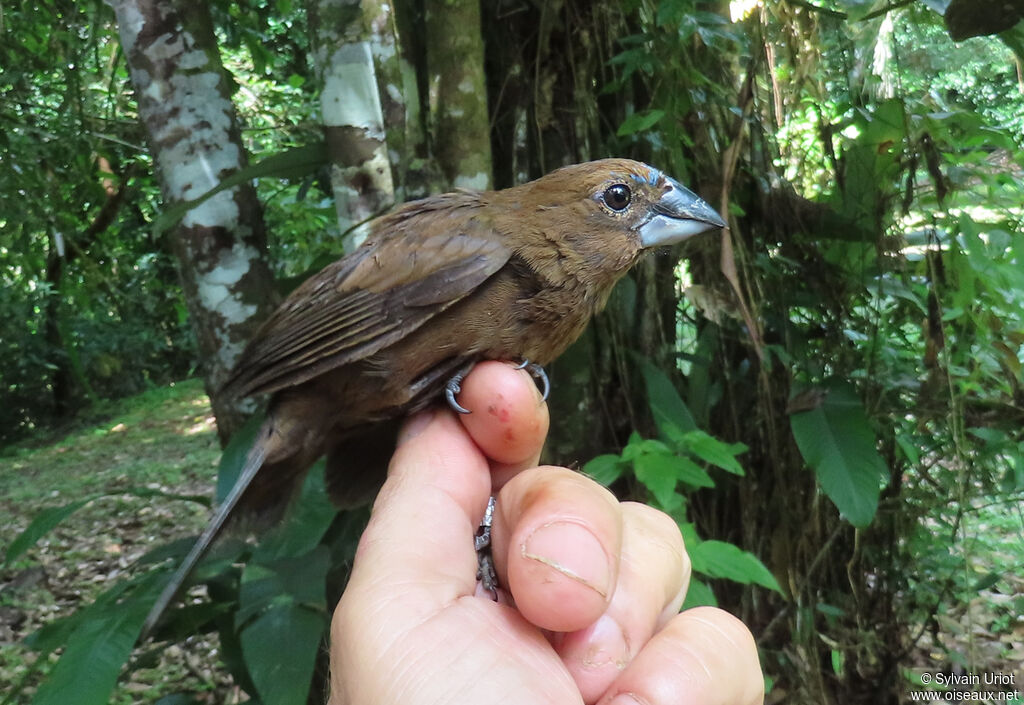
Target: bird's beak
x,y
677,215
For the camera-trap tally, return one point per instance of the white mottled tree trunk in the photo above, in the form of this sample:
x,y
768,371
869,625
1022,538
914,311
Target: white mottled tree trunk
x,y
183,97
350,107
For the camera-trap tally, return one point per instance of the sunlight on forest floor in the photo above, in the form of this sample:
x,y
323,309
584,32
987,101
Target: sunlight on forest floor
x,y
163,439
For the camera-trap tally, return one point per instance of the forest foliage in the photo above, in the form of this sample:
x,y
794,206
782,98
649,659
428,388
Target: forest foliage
x,y
828,398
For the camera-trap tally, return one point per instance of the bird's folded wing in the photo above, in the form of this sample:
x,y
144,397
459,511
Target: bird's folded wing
x,y
367,301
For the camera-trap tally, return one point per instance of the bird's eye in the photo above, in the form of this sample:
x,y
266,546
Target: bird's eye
x,y
617,197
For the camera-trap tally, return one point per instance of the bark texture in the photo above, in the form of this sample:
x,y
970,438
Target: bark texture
x,y
342,34
183,97
458,94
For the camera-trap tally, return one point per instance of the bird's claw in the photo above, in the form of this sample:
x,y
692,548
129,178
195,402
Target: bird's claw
x,y
485,572
538,373
453,387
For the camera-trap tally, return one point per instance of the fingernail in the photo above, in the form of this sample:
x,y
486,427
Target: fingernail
x,y
573,551
607,646
414,426
624,699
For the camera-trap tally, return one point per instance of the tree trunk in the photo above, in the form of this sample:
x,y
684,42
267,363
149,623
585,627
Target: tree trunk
x,y
350,104
184,102
458,94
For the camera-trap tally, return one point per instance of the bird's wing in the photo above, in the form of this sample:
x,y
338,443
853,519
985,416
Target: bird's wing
x,y
369,300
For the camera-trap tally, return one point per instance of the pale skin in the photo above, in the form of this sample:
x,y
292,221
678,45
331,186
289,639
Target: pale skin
x,y
589,611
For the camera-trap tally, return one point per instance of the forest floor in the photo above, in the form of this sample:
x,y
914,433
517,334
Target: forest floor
x,y
165,439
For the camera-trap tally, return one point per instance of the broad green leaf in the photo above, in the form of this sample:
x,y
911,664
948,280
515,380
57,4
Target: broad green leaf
x,y
604,469
638,122
987,581
661,472
836,441
307,521
699,594
42,524
691,473
280,648
670,411
989,435
718,559
234,456
293,580
633,447
713,451
53,635
652,446
701,392
658,474
910,451
50,518
99,646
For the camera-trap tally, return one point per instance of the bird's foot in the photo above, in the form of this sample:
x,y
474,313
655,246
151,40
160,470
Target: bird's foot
x,y
453,387
485,572
538,373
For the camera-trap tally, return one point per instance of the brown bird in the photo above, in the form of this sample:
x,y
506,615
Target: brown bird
x,y
438,285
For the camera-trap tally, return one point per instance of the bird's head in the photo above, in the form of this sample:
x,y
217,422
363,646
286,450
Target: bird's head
x,y
601,215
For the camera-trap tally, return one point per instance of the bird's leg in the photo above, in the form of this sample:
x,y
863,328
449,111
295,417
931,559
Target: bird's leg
x,y
485,561
454,386
538,373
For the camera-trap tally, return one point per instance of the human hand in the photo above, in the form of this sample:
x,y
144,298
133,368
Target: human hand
x,y
591,586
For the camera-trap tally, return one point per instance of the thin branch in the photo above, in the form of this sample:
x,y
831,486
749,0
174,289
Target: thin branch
x,y
822,10
888,8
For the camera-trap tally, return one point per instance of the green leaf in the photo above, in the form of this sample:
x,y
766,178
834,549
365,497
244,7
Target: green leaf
x,y
670,411
984,583
989,435
713,451
48,519
307,521
604,469
718,559
291,163
837,442
235,453
910,451
830,610
633,447
293,580
280,649
661,472
699,594
638,122
53,635
99,646
691,473
177,699
42,524
652,446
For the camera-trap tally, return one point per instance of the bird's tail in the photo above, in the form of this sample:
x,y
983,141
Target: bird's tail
x,y
253,463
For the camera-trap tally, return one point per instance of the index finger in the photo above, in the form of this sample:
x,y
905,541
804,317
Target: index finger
x,y
508,419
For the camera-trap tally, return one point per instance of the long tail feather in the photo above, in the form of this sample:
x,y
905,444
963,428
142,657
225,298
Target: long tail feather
x,y
252,465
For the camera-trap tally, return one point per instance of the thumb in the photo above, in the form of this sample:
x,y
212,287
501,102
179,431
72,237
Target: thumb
x,y
416,555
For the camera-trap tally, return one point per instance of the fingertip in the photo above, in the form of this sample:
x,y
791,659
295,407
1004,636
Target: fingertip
x,y
702,655
556,544
509,419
